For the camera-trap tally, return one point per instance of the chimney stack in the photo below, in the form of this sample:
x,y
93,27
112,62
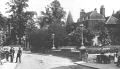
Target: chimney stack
x,y
102,10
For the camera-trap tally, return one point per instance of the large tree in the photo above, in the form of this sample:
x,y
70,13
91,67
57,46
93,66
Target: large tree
x,y
19,17
53,13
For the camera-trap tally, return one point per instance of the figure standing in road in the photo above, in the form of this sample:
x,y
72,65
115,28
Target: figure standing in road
x,y
19,53
7,54
11,54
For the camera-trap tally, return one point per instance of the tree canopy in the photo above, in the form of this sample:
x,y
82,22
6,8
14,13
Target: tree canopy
x,y
53,13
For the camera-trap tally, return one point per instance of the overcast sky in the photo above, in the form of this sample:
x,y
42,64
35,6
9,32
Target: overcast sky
x,y
71,5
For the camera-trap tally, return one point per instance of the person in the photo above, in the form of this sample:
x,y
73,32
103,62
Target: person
x,y
7,54
118,62
115,57
0,56
11,54
86,56
19,53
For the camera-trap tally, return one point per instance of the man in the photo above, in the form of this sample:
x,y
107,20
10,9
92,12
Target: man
x,y
7,54
11,54
19,53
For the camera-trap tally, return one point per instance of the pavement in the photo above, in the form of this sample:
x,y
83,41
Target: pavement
x,y
42,61
98,66
9,65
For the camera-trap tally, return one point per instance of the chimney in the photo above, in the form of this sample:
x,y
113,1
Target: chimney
x,y
82,15
102,10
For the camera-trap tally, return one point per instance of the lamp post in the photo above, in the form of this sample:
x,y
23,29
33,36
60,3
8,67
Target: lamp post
x,y
82,43
53,37
82,48
24,40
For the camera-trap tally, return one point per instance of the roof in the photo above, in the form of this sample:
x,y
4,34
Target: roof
x,y
96,16
112,20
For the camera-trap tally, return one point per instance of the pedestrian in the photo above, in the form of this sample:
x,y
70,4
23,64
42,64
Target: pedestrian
x,y
86,56
11,54
115,57
19,53
1,56
7,55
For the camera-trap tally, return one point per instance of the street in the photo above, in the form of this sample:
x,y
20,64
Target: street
x,y
42,61
36,61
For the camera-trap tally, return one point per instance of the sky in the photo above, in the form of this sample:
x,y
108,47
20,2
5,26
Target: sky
x,y
74,6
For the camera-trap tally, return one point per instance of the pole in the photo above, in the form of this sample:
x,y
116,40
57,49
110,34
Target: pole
x,y
82,37
53,35
82,43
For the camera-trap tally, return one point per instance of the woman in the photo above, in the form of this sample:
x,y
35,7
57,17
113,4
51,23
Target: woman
x,y
115,57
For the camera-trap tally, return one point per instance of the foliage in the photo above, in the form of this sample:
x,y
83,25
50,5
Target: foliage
x,y
77,36
39,40
71,27
69,19
3,21
60,33
53,13
19,17
42,39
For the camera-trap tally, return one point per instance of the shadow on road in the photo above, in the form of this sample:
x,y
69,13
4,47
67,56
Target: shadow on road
x,y
74,67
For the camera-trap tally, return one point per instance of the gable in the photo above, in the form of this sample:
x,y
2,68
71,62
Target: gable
x,y
112,20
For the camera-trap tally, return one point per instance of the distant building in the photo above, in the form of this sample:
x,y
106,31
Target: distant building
x,y
92,19
96,21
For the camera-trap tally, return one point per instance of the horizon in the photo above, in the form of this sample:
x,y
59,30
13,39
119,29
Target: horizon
x,y
69,5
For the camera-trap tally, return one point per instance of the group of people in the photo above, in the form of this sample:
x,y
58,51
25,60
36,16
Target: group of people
x,y
10,55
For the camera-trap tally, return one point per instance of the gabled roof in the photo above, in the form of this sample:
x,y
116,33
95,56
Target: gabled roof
x,y
96,16
111,20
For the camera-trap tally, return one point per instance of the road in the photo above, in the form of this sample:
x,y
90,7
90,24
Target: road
x,y
42,61
36,61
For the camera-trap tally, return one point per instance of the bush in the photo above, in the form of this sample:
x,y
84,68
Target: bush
x,y
41,40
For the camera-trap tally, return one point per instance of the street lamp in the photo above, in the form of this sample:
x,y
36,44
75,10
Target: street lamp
x,y
24,40
82,43
82,48
53,37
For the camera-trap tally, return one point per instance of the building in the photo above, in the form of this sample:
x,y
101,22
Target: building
x,y
96,22
93,19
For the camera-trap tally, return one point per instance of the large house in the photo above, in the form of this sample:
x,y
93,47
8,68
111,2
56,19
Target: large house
x,y
96,21
93,19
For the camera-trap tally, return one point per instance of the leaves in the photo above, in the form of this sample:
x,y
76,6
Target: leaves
x,y
20,18
54,13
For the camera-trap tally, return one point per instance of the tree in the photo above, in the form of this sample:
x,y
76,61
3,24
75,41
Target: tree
x,y
69,19
54,13
19,17
3,21
60,33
